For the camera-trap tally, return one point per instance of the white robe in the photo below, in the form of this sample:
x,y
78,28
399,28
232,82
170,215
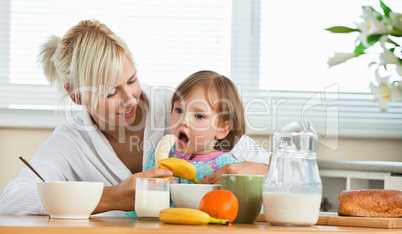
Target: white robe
x,y
78,151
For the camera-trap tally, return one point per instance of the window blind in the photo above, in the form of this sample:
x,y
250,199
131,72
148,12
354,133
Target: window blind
x,y
275,51
169,41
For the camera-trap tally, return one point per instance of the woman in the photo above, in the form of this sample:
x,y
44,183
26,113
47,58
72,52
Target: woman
x,y
114,136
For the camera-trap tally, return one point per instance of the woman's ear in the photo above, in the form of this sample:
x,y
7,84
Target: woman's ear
x,y
224,131
75,98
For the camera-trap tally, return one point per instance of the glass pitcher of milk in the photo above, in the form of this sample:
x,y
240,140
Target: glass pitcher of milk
x,y
292,187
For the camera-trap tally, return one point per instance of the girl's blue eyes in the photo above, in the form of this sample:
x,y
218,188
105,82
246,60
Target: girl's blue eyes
x,y
198,116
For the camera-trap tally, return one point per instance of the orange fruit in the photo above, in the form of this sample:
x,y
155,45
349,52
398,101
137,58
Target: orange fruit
x,y
220,204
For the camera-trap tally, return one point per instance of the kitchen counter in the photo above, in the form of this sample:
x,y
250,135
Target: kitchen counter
x,y
99,224
372,166
337,176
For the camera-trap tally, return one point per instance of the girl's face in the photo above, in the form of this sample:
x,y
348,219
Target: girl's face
x,y
120,106
194,123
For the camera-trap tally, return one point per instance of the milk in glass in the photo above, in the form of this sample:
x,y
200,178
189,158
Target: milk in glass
x,y
151,196
150,203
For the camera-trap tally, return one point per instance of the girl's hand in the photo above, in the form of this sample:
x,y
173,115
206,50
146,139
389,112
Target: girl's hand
x,y
246,168
122,196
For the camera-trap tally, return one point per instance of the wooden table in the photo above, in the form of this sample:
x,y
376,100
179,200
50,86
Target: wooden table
x,y
121,225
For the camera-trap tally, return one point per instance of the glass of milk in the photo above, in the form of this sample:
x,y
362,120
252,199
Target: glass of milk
x,y
292,187
151,196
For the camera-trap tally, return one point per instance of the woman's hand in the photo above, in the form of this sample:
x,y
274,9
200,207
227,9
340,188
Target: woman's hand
x,y
246,167
122,196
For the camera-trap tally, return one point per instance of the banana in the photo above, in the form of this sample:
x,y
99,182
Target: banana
x,y
163,147
188,216
180,168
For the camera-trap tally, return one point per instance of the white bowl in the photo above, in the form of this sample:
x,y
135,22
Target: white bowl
x,y
70,199
190,195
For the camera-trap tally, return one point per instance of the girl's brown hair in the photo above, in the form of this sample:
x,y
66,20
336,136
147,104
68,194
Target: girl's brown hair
x,y
228,106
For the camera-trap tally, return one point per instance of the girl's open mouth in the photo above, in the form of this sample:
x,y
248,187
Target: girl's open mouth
x,y
182,139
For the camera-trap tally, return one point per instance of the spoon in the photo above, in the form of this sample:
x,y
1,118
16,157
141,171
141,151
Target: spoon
x,y
30,167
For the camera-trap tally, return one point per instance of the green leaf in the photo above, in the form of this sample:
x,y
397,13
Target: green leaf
x,y
396,33
359,49
392,42
374,38
386,9
342,29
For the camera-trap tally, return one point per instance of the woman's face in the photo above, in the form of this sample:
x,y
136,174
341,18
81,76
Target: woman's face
x,y
120,106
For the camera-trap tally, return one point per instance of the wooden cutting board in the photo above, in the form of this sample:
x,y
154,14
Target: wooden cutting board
x,y
333,219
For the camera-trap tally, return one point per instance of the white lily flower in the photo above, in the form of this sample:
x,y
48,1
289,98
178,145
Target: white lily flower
x,y
396,20
390,28
385,91
371,25
382,92
340,58
376,26
387,57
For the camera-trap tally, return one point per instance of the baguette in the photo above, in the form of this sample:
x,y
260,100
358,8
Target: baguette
x,y
371,203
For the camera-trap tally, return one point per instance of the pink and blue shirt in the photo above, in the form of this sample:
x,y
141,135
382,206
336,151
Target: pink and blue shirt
x,y
206,164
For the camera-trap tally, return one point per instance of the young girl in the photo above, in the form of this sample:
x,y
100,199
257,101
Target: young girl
x,y
207,119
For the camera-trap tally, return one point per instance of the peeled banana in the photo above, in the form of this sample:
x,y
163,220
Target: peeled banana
x,y
188,216
163,147
180,168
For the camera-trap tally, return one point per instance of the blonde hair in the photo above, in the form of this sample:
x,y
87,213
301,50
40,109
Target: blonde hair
x,y
88,57
229,106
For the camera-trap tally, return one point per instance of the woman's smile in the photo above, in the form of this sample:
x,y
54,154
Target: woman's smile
x,y
128,113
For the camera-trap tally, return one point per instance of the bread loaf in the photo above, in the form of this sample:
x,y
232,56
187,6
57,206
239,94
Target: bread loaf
x,y
371,203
